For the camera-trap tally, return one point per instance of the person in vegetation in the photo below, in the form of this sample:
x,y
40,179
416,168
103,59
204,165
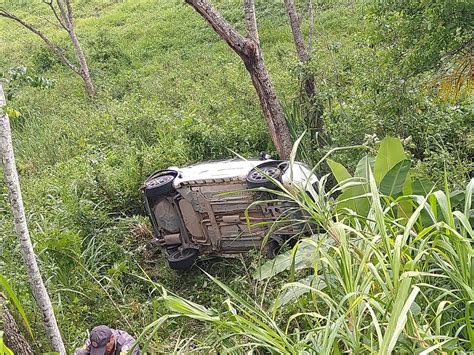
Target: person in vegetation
x,y
106,341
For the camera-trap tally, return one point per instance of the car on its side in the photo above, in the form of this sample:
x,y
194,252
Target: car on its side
x,y
209,208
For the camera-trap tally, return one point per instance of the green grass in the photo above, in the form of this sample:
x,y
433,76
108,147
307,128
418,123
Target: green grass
x,y
170,92
378,284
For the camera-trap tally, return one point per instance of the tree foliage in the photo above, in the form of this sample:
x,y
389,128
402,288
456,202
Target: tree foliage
x,y
424,35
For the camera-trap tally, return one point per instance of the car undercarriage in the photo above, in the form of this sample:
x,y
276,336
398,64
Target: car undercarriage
x,y
215,216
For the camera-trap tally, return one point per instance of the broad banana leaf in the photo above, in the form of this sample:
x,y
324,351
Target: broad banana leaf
x,y
392,183
389,154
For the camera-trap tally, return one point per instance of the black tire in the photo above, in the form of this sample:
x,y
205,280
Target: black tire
x,y
182,259
259,176
159,184
271,249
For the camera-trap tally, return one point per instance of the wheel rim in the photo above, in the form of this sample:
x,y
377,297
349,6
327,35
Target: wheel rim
x,y
160,180
263,173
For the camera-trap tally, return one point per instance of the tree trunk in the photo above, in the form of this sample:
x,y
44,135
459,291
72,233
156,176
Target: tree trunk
x,y
296,30
21,227
84,69
269,102
12,335
67,20
308,86
249,50
298,39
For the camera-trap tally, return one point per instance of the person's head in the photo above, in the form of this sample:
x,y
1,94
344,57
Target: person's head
x,y
102,340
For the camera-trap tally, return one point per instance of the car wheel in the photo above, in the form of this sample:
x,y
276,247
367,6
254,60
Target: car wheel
x,y
182,259
271,249
160,185
261,174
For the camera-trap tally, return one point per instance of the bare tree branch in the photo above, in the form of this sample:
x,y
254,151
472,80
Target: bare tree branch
x,y
54,24
50,4
224,29
64,15
51,45
251,20
65,20
69,10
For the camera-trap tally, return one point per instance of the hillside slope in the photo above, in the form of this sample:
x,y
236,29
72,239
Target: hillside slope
x,y
170,92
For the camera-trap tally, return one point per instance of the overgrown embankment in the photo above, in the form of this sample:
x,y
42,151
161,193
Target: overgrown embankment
x,y
170,92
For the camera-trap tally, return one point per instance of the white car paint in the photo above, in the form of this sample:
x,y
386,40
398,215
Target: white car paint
x,y
238,169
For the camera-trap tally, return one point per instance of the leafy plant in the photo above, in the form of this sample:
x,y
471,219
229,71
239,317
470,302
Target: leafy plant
x,y
18,77
364,283
391,170
11,296
165,101
4,350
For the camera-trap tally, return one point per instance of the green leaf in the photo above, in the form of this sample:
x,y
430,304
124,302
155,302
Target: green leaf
x,y
378,211
301,260
405,208
12,113
398,316
422,186
392,183
350,196
445,206
389,154
354,199
468,197
16,302
408,186
292,293
466,228
470,331
4,350
362,169
338,170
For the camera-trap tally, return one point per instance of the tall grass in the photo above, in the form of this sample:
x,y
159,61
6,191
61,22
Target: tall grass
x,y
379,283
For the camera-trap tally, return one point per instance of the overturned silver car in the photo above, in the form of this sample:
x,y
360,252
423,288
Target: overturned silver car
x,y
209,209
